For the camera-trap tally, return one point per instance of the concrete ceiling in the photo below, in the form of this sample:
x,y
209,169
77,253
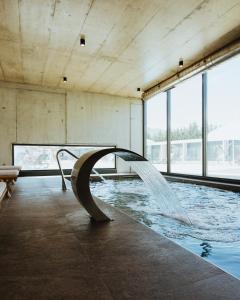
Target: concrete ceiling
x,y
129,44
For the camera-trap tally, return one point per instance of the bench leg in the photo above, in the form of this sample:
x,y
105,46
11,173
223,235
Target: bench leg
x,y
9,190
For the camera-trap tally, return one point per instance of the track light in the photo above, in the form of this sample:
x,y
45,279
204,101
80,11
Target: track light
x,y
82,41
180,64
64,79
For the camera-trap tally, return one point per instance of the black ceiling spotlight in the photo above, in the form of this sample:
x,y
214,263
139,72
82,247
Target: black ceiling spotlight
x,y
180,64
65,79
82,41
138,89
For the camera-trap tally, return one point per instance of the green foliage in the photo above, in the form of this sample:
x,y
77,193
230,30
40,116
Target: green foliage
x,y
193,131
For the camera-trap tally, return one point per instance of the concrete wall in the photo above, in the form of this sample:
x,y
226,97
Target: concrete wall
x,y
28,116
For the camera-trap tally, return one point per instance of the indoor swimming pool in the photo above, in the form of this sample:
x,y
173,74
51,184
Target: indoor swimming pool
x,y
215,216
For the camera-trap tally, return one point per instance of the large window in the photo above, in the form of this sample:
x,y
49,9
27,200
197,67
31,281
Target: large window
x,y
223,144
157,131
210,149
186,127
43,157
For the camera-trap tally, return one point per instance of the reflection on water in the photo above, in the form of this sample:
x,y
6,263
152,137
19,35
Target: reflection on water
x,y
206,249
215,215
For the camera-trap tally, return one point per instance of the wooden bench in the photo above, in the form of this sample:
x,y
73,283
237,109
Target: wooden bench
x,y
3,191
9,177
10,168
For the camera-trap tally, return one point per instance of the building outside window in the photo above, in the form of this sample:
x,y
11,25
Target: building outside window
x,y
157,131
43,157
186,127
223,143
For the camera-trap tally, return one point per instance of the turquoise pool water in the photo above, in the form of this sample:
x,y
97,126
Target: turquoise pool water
x,y
215,216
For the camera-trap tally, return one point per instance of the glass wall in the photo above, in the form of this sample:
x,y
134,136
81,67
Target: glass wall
x,y
43,157
223,143
218,93
186,127
156,142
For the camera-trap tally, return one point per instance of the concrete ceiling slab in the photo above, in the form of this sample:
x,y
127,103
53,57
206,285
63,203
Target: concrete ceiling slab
x,y
129,44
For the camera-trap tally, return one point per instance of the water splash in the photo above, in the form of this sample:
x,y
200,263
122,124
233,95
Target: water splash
x,y
162,193
215,230
214,213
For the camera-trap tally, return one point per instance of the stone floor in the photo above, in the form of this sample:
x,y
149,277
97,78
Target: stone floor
x,y
50,250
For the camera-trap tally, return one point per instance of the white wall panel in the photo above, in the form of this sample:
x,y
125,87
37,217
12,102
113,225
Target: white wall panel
x,y
136,131
43,117
7,124
40,117
98,119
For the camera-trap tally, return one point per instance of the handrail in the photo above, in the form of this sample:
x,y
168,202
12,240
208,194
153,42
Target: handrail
x,y
64,187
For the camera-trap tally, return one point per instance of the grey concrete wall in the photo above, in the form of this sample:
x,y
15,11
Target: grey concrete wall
x,y
8,123
28,116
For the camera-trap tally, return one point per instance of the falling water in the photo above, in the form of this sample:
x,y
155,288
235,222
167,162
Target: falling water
x,y
99,175
164,196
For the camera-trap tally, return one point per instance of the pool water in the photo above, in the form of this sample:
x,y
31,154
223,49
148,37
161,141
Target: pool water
x,y
215,215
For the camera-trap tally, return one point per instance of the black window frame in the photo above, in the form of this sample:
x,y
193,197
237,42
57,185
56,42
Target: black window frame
x,y
204,112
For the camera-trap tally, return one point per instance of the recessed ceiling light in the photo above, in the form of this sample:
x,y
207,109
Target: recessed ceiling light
x,y
82,41
180,63
64,79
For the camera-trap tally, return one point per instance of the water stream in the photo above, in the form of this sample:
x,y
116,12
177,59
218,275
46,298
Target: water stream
x,y
167,201
99,175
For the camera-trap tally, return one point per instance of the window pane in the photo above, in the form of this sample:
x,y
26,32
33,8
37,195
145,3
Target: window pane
x,y
223,146
43,157
186,127
157,131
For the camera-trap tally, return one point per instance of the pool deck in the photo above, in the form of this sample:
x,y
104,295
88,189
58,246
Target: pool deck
x,y
49,249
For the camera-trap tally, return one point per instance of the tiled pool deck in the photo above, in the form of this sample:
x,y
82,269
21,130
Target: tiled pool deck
x,y
50,250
